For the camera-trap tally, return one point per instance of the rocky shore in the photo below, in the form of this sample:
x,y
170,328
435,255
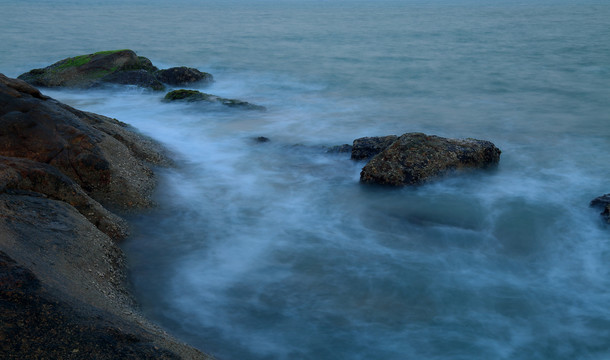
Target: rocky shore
x,y
64,176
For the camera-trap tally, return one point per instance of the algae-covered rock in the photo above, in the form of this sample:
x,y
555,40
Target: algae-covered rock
x,y
87,70
183,75
415,158
196,96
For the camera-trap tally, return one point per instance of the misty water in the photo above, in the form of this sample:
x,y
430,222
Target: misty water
x,y
275,250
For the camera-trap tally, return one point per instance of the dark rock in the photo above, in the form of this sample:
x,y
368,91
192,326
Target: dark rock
x,y
28,175
62,289
183,75
140,78
345,148
198,96
90,149
602,202
415,158
89,70
261,139
367,147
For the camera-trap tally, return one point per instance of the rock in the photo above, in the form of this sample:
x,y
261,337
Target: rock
x,y
63,292
261,139
62,289
88,70
415,158
93,150
345,148
140,78
602,202
183,75
28,175
367,147
198,96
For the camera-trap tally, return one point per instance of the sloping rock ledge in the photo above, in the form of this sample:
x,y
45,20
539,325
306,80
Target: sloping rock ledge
x,y
63,292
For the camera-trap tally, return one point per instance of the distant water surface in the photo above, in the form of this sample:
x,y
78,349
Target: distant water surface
x,y
275,251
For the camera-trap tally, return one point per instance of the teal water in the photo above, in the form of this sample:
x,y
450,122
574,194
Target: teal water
x,y
275,251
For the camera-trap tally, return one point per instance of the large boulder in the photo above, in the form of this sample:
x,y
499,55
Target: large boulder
x,y
91,70
62,290
92,150
180,76
603,203
415,158
367,147
21,176
198,96
140,78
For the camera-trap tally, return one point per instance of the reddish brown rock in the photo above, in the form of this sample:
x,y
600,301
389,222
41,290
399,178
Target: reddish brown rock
x,y
27,175
415,158
96,152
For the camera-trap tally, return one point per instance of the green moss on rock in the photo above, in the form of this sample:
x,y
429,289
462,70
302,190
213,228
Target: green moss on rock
x,y
194,95
187,95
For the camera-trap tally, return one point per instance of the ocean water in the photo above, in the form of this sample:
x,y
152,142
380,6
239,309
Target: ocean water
x,y
275,251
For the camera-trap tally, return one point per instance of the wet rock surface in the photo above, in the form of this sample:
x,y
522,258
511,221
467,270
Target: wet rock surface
x,y
84,71
63,292
122,67
367,147
603,203
415,158
183,75
198,96
92,150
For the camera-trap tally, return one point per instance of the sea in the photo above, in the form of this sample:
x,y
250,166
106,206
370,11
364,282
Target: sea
x,y
275,250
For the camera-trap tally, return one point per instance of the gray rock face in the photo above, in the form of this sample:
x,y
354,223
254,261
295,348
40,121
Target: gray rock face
x,y
367,147
180,76
415,158
602,202
62,293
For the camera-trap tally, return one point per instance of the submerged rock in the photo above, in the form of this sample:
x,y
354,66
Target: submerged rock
x,y
198,96
602,202
367,147
261,139
183,75
345,148
90,70
415,158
